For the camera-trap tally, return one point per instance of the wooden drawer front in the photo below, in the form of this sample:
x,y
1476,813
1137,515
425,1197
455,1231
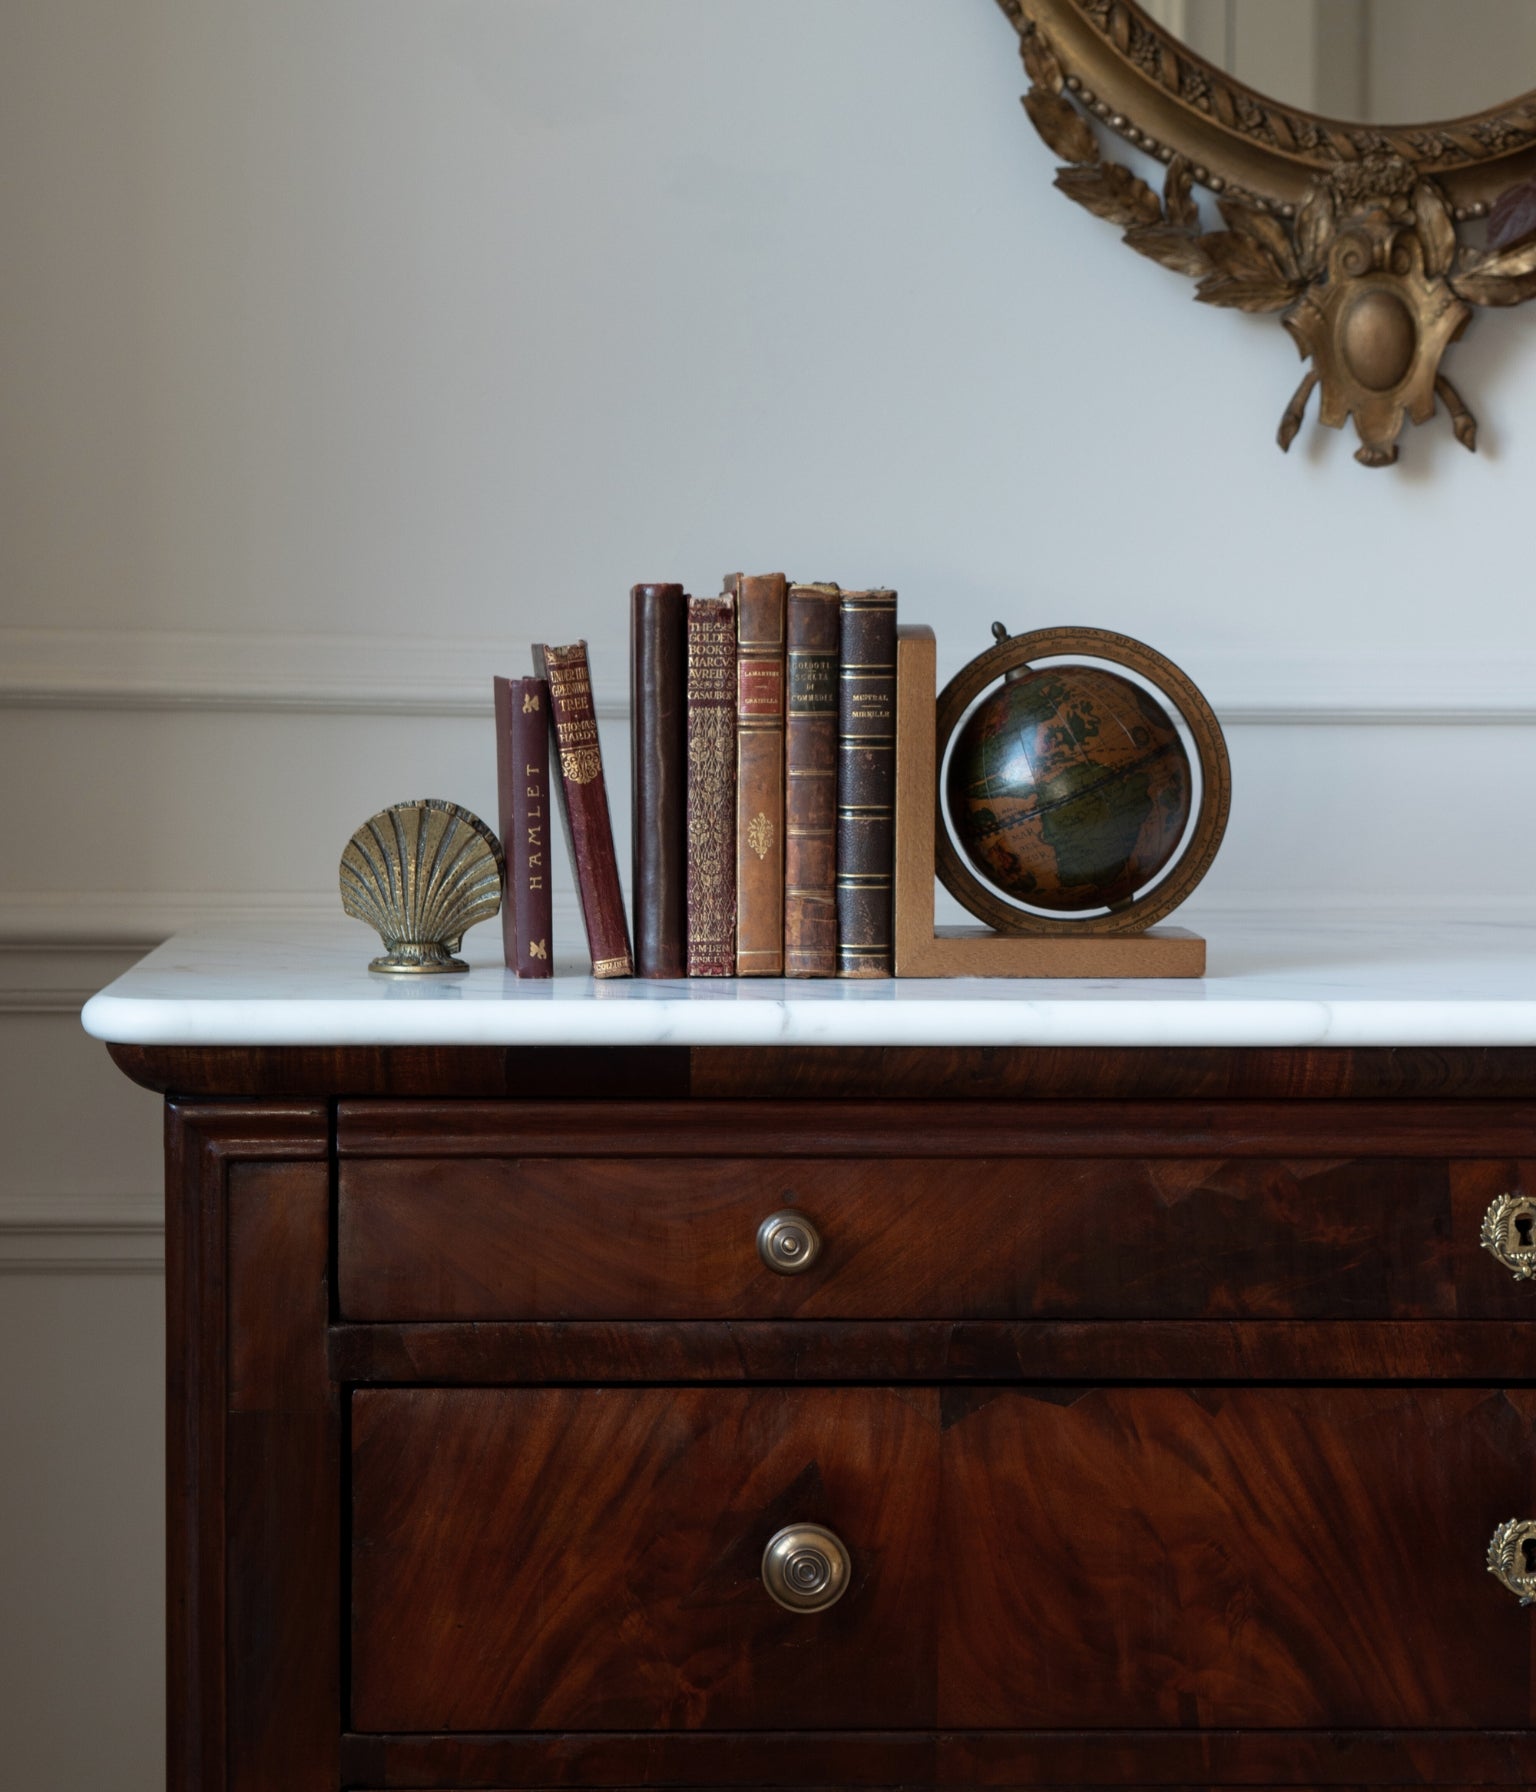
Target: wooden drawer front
x,y
1265,1558
547,1559
660,1238
1112,1559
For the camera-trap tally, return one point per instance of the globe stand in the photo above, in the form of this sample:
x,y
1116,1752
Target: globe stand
x,y
923,949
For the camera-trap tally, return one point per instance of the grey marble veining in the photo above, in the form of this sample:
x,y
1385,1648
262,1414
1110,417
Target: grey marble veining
x,y
1342,980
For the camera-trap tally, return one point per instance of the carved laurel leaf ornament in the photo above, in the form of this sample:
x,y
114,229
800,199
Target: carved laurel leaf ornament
x,y
1366,272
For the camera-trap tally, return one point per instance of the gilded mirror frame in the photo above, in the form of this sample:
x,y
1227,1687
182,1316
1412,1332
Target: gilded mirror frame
x,y
1350,232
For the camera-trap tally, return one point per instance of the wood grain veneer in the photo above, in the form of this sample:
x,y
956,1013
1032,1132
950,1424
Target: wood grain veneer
x,y
1256,1558
1387,1761
935,1073
937,1129
1166,1402
940,1350
553,1559
1047,1238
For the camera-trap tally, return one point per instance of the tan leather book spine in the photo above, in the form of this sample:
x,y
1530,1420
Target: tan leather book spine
x,y
584,805
866,783
711,786
810,783
759,773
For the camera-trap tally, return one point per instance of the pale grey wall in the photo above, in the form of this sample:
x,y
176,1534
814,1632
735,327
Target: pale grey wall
x,y
347,344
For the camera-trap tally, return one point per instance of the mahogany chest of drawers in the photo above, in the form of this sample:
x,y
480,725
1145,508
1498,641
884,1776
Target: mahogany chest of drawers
x,y
848,1418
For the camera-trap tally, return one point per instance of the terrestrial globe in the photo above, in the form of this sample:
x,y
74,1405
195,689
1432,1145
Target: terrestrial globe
x,y
1069,788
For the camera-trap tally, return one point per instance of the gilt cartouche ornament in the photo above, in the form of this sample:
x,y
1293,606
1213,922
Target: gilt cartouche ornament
x,y
1348,231
421,874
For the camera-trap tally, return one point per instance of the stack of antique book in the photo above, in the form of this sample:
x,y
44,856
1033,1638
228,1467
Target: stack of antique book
x,y
764,735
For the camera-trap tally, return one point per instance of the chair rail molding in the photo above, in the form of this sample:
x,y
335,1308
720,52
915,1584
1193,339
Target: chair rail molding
x,y
164,670
59,947
168,671
39,976
63,1234
48,937
57,942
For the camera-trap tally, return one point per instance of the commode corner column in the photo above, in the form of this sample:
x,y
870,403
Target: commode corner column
x,y
252,1451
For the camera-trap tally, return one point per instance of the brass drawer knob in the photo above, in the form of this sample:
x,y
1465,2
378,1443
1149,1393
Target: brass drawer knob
x,y
1512,1557
1509,1233
806,1568
788,1243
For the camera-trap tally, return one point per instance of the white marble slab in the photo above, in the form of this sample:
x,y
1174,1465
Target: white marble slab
x,y
1326,981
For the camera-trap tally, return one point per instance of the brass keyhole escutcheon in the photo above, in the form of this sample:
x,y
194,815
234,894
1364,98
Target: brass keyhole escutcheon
x,y
806,1567
1512,1557
1509,1233
788,1243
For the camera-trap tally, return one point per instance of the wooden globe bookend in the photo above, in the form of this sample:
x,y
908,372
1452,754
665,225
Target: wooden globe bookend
x,y
1124,943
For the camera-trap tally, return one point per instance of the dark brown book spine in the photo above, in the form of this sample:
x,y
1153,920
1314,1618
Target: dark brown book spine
x,y
527,849
810,783
712,787
759,773
866,783
658,710
584,806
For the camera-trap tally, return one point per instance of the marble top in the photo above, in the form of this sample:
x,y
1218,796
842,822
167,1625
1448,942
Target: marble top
x,y
1333,981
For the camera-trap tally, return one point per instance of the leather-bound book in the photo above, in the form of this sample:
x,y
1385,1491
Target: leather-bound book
x,y
759,772
658,710
866,783
711,787
584,806
502,693
522,777
810,783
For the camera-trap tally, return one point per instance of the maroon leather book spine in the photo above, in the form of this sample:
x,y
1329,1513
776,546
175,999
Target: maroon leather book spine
x,y
658,711
527,846
505,821
759,773
810,783
866,783
584,806
712,786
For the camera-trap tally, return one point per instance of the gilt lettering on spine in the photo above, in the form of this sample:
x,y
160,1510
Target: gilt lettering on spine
x,y
759,773
712,787
584,806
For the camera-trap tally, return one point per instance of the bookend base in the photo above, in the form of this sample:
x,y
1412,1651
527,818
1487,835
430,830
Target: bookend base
x,y
922,949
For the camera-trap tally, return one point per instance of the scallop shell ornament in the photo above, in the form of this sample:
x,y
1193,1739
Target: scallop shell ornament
x,y
421,874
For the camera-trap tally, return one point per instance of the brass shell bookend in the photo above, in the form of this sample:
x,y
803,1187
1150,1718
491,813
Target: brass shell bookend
x,y
421,874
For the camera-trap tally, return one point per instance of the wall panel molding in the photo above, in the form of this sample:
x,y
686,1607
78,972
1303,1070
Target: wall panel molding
x,y
160,670
167,671
54,944
130,921
39,978
56,941
49,1234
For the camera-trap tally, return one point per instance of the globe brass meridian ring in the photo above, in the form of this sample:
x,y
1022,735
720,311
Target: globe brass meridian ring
x,y
1117,653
